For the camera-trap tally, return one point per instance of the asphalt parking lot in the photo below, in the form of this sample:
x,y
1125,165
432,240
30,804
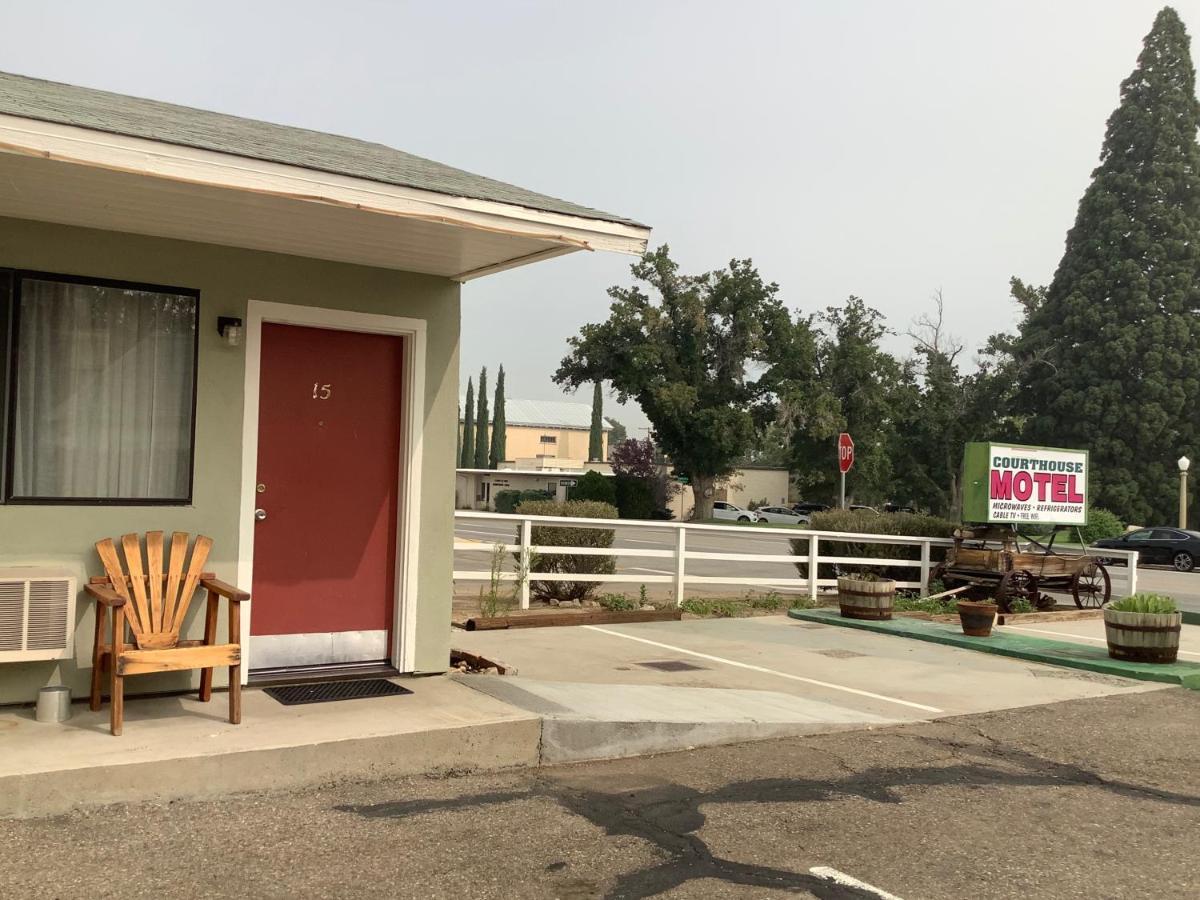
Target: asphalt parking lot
x,y
1089,798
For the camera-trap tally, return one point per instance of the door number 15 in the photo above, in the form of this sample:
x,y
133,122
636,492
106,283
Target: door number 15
x,y
322,391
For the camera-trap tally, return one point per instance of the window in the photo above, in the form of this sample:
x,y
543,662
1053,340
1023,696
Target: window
x,y
1167,534
101,385
1143,535
548,439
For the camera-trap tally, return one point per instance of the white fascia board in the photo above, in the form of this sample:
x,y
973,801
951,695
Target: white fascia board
x,y
139,156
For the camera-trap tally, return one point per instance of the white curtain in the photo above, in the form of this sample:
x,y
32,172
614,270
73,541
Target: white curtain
x,y
103,392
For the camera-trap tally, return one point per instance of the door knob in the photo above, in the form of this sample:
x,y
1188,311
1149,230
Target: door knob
x,y
260,514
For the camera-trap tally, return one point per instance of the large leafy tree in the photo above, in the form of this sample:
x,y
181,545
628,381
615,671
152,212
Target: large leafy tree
x,y
1108,358
830,374
681,347
499,425
467,459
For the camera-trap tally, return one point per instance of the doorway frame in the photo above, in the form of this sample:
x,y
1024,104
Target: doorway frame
x,y
402,651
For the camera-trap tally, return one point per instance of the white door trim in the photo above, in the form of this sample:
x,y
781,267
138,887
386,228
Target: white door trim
x,y
413,331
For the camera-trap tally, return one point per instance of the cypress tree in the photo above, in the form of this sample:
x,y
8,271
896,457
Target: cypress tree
x,y
596,437
1109,356
467,459
499,426
458,437
481,423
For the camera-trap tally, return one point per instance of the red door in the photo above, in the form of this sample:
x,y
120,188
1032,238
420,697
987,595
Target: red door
x,y
328,470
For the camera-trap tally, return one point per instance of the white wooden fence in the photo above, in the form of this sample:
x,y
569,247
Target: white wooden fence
x,y
679,554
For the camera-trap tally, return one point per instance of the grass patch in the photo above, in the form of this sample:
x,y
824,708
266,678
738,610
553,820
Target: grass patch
x,y
732,608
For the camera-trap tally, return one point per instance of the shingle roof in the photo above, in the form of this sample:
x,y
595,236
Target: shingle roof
x,y
66,104
549,413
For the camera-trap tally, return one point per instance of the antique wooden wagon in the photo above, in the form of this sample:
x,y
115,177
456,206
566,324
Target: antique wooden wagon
x,y
994,558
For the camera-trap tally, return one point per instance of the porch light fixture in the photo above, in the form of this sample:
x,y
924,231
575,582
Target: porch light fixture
x,y
230,330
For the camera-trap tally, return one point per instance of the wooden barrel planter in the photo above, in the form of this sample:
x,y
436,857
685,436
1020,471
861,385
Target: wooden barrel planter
x,y
976,617
1142,637
863,599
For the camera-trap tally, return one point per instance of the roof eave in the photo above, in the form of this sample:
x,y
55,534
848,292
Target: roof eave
x,y
540,234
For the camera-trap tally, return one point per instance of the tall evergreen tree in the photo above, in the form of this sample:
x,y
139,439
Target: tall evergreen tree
x,y
467,458
596,436
499,425
481,423
1109,357
458,437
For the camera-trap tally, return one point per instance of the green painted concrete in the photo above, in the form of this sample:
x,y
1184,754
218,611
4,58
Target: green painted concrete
x,y
1069,654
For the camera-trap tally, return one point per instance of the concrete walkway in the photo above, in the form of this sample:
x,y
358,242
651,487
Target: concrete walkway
x,y
176,747
587,692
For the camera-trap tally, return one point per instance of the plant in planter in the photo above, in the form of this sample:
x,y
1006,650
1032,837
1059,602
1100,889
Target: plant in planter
x,y
1143,628
865,595
977,617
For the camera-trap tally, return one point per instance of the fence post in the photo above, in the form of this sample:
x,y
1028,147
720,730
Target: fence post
x,y
1131,564
526,540
680,559
813,542
924,568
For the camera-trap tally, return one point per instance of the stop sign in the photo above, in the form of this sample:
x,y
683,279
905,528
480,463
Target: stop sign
x,y
845,452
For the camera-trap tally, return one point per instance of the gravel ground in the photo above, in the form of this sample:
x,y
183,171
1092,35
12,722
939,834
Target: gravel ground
x,y
1090,798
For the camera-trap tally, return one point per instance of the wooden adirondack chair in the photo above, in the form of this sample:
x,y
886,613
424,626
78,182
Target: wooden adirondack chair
x,y
151,604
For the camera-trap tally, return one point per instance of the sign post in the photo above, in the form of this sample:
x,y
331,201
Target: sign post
x,y
845,461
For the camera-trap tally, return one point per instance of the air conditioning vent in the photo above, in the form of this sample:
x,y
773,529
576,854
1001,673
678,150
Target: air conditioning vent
x,y
37,614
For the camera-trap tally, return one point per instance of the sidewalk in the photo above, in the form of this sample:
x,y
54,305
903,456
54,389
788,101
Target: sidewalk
x,y
179,748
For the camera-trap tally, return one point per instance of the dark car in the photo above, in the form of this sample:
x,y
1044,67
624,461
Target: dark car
x,y
807,509
1159,546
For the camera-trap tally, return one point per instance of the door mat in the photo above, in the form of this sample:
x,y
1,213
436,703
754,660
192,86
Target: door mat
x,y
328,691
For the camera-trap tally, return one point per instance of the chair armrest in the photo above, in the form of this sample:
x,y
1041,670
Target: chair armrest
x,y
105,594
235,595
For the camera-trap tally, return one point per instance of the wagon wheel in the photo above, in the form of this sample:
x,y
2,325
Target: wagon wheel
x,y
1016,585
1091,587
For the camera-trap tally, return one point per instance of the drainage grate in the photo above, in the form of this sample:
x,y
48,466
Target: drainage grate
x,y
327,691
840,654
671,665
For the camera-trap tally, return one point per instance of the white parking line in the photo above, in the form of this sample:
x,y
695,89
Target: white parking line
x,y
845,880
1066,635
655,571
752,668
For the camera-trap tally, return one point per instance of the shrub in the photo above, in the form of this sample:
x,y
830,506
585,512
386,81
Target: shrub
x,y
1144,603
758,504
635,497
617,602
563,536
1101,524
508,501
867,522
594,486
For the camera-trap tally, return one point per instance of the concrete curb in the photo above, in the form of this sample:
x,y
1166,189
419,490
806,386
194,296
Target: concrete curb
x,y
1067,654
474,748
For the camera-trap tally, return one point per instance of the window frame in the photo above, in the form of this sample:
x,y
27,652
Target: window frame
x,y
10,324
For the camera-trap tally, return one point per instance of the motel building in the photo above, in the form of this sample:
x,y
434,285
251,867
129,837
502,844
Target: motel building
x,y
217,326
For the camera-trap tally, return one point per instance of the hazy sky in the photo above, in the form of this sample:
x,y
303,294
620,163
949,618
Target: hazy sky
x,y
885,149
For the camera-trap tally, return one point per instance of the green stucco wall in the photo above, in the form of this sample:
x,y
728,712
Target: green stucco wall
x,y
62,536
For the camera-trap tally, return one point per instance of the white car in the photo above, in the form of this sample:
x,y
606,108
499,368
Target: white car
x,y
723,510
782,514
